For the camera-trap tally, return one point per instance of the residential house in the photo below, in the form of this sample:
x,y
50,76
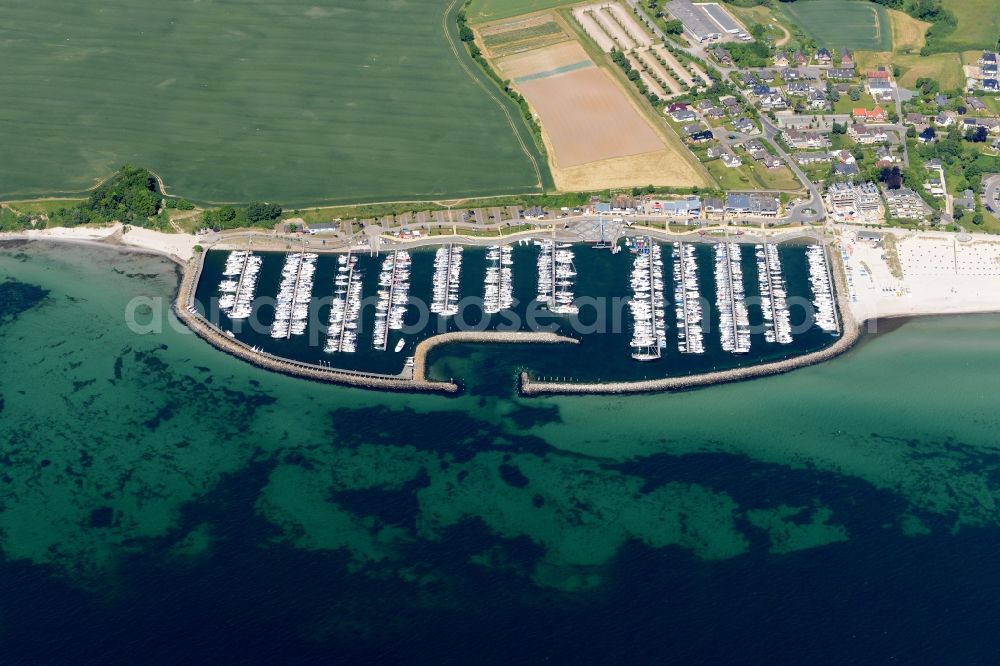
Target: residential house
x,y
753,145
885,157
991,85
823,57
683,115
846,59
926,135
867,135
748,79
845,170
781,59
802,140
914,119
945,119
935,185
761,89
843,156
692,128
800,59
878,84
731,160
966,202
773,101
988,65
701,137
975,104
676,106
941,100
722,55
744,125
766,75
731,104
817,99
772,161
797,88
715,113
876,115
840,73
905,204
791,75
815,157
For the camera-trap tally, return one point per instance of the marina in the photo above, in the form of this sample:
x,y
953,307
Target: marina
x,y
498,285
447,274
821,281
342,334
773,295
556,273
687,300
649,334
730,299
239,284
291,310
393,298
364,308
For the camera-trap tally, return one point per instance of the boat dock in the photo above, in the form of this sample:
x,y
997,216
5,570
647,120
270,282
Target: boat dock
x,y
774,303
734,322
687,300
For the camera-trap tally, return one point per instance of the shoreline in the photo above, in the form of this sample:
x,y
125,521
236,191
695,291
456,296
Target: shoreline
x,y
415,379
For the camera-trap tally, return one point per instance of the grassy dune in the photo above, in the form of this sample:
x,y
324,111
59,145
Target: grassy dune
x,y
297,102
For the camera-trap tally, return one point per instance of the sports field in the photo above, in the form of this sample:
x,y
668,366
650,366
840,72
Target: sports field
x,y
838,23
295,102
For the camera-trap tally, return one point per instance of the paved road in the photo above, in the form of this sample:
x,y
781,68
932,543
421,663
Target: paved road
x,y
797,214
991,193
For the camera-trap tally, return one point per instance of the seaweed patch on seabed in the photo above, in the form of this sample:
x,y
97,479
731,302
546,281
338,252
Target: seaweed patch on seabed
x,y
18,297
576,512
63,509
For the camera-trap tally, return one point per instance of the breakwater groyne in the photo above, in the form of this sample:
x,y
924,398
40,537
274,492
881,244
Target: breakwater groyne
x,y
851,334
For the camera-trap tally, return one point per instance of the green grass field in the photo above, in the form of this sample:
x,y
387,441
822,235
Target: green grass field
x,y
978,24
839,23
295,102
481,11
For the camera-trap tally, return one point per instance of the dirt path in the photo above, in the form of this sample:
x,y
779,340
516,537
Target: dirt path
x,y
788,36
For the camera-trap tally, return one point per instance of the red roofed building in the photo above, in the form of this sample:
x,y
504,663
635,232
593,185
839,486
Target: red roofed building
x,y
876,115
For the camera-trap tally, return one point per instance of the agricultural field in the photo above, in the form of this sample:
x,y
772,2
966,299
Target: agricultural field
x,y
839,23
309,109
978,25
519,35
482,11
597,130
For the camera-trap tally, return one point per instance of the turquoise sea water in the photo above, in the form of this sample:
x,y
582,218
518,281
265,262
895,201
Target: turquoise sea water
x,y
162,501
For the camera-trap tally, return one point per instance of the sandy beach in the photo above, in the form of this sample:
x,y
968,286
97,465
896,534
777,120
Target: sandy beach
x,y
179,246
927,273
